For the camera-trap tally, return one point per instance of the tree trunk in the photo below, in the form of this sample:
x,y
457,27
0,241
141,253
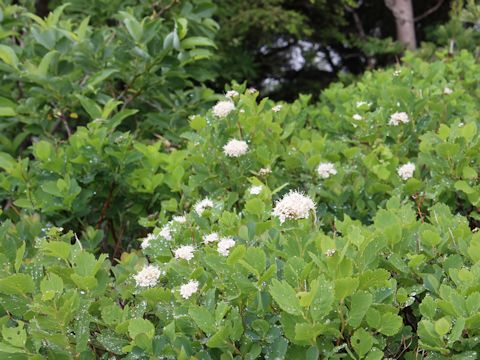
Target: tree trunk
x,y
403,12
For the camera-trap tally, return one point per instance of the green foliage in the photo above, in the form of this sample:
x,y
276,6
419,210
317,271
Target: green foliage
x,y
118,243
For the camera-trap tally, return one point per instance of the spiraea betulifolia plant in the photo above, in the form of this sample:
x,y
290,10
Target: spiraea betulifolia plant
x,y
145,217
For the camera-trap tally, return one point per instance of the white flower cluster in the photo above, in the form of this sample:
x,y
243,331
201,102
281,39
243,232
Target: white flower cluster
x,y
357,117
224,246
406,171
293,205
148,276
166,232
325,170
184,252
277,108
223,108
447,91
179,219
398,118
208,238
264,171
202,205
146,242
255,190
251,90
188,289
235,148
361,103
231,94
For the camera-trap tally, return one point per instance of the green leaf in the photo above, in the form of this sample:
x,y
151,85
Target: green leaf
x,y
8,56
285,296
198,122
442,326
19,256
135,29
6,111
373,279
16,336
345,287
42,150
219,339
203,318
322,300
17,284
58,249
360,303
51,285
140,326
390,324
362,342
255,206
195,41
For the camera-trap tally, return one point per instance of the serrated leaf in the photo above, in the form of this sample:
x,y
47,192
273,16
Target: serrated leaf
x,y
203,318
285,296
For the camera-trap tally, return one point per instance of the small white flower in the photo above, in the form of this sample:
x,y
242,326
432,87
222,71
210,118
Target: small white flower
x,y
147,240
406,171
242,111
231,94
208,238
461,124
294,205
396,73
235,148
264,171
277,108
325,170
184,252
166,232
179,219
330,252
148,276
223,108
361,103
224,246
202,205
447,90
357,117
255,190
188,289
398,118
252,90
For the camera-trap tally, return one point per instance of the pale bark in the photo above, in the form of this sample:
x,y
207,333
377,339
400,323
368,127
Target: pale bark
x,y
402,10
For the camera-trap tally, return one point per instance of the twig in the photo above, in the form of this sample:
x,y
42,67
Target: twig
x,y
65,124
429,11
105,206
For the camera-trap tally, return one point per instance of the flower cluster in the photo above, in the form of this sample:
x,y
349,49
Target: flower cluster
x,y
325,170
406,171
184,252
148,276
224,246
294,205
188,289
202,205
398,118
223,108
208,238
255,190
231,94
235,148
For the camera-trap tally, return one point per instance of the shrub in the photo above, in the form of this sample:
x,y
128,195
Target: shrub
x,y
341,229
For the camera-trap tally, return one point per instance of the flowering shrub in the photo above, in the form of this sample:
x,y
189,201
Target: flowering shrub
x,y
341,229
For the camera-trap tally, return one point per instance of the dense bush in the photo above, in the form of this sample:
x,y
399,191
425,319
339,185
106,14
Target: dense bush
x,y
341,229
